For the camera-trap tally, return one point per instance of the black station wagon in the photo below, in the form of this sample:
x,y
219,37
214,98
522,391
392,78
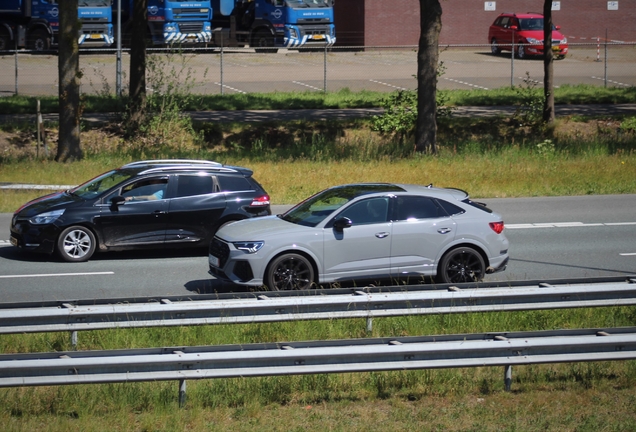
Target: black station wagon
x,y
146,204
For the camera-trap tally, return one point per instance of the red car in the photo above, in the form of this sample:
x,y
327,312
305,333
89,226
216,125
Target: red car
x,y
526,32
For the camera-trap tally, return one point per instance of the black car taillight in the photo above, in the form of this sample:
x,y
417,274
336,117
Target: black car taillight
x,y
260,201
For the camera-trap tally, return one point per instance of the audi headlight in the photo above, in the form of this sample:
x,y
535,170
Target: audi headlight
x,y
249,247
46,218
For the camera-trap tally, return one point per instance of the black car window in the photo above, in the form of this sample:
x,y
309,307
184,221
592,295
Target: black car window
x,y
190,185
233,183
416,207
451,209
146,189
369,211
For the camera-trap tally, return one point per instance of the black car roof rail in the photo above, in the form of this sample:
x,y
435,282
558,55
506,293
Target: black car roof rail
x,y
173,162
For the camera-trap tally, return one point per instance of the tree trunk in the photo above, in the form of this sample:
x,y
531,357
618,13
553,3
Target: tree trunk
x,y
138,63
548,63
427,63
69,76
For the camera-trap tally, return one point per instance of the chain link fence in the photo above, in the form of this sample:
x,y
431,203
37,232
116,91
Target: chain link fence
x,y
383,69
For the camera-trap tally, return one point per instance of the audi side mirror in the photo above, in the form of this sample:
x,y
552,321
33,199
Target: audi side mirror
x,y
342,223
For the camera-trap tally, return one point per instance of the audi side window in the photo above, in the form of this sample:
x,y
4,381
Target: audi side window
x,y
415,207
369,211
190,185
451,209
233,183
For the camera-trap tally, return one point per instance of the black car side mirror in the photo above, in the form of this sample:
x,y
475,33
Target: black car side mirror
x,y
342,223
117,200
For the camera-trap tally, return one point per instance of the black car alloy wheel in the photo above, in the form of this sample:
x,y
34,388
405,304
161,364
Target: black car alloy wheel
x,y
462,264
290,272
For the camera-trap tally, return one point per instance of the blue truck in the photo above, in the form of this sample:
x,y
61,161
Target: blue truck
x,y
34,24
269,24
169,22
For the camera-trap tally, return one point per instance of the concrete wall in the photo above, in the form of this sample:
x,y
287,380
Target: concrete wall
x,y
396,22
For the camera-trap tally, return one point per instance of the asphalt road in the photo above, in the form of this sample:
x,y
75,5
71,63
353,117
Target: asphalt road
x,y
550,237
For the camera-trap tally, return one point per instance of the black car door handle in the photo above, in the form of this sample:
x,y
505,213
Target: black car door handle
x,y
444,230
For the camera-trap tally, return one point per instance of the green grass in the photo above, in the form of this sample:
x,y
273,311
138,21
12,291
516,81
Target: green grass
x,y
578,94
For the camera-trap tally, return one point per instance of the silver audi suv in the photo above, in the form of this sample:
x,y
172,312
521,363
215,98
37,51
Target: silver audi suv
x,y
361,232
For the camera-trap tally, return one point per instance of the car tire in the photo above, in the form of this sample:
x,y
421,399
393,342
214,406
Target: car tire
x,y
290,272
462,264
76,244
494,48
521,52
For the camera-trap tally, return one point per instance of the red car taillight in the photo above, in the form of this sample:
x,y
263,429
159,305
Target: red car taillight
x,y
260,201
497,227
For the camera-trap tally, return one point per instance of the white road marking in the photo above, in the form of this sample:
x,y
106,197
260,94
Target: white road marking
x,y
466,83
230,88
56,274
387,84
628,254
613,82
307,85
565,225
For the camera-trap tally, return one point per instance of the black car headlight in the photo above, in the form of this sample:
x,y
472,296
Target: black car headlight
x,y
249,247
46,218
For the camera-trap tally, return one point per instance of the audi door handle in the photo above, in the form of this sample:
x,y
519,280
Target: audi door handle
x,y
382,234
444,230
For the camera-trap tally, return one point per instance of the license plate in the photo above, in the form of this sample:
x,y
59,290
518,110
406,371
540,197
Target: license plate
x,y
14,241
318,37
96,36
214,261
556,48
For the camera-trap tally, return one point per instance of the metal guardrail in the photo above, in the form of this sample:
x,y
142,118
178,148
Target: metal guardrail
x,y
338,356
355,303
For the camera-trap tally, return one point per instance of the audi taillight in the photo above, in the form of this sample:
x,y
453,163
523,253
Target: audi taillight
x,y
260,201
497,227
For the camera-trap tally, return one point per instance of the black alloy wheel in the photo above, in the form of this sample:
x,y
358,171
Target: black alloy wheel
x,y
462,264
290,272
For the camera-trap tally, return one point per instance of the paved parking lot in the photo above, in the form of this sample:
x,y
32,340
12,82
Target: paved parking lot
x,y
377,70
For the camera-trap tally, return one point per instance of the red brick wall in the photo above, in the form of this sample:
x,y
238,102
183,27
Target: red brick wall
x,y
396,22
351,14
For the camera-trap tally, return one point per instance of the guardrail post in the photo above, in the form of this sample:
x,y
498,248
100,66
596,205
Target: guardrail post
x,y
74,340
182,393
507,377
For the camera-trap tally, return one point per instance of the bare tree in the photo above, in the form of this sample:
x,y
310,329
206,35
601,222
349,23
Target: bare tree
x,y
548,64
138,63
69,75
427,61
